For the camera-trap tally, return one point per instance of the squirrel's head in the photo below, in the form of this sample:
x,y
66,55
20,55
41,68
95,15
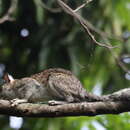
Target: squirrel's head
x,y
6,79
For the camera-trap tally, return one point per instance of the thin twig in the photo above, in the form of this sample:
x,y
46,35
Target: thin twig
x,y
120,63
68,10
87,25
11,10
77,9
81,6
99,32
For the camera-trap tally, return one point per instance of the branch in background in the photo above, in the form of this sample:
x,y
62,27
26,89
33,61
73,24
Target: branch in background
x,y
80,7
57,10
52,10
11,10
99,32
87,25
116,103
72,12
120,63
90,26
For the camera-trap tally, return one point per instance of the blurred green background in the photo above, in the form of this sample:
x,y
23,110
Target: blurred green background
x,y
38,39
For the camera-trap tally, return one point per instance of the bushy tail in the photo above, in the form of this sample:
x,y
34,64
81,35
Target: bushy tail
x,y
89,97
94,98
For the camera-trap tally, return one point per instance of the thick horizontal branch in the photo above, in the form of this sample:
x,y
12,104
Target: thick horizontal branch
x,y
115,103
73,109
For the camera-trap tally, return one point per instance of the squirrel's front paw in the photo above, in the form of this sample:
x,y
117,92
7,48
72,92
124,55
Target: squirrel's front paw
x,y
53,102
16,101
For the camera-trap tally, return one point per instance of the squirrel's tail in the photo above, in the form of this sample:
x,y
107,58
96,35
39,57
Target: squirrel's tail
x,y
89,97
94,98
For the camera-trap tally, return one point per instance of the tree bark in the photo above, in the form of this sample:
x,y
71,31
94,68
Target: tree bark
x,y
116,103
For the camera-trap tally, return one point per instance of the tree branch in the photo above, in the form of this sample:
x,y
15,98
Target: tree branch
x,y
81,6
115,103
88,26
73,13
11,10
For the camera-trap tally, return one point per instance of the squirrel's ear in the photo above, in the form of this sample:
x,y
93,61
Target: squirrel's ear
x,y
6,77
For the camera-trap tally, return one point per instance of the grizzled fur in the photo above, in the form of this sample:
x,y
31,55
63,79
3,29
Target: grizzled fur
x,y
52,84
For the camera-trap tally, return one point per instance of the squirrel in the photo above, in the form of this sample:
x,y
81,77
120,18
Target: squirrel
x,y
55,86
